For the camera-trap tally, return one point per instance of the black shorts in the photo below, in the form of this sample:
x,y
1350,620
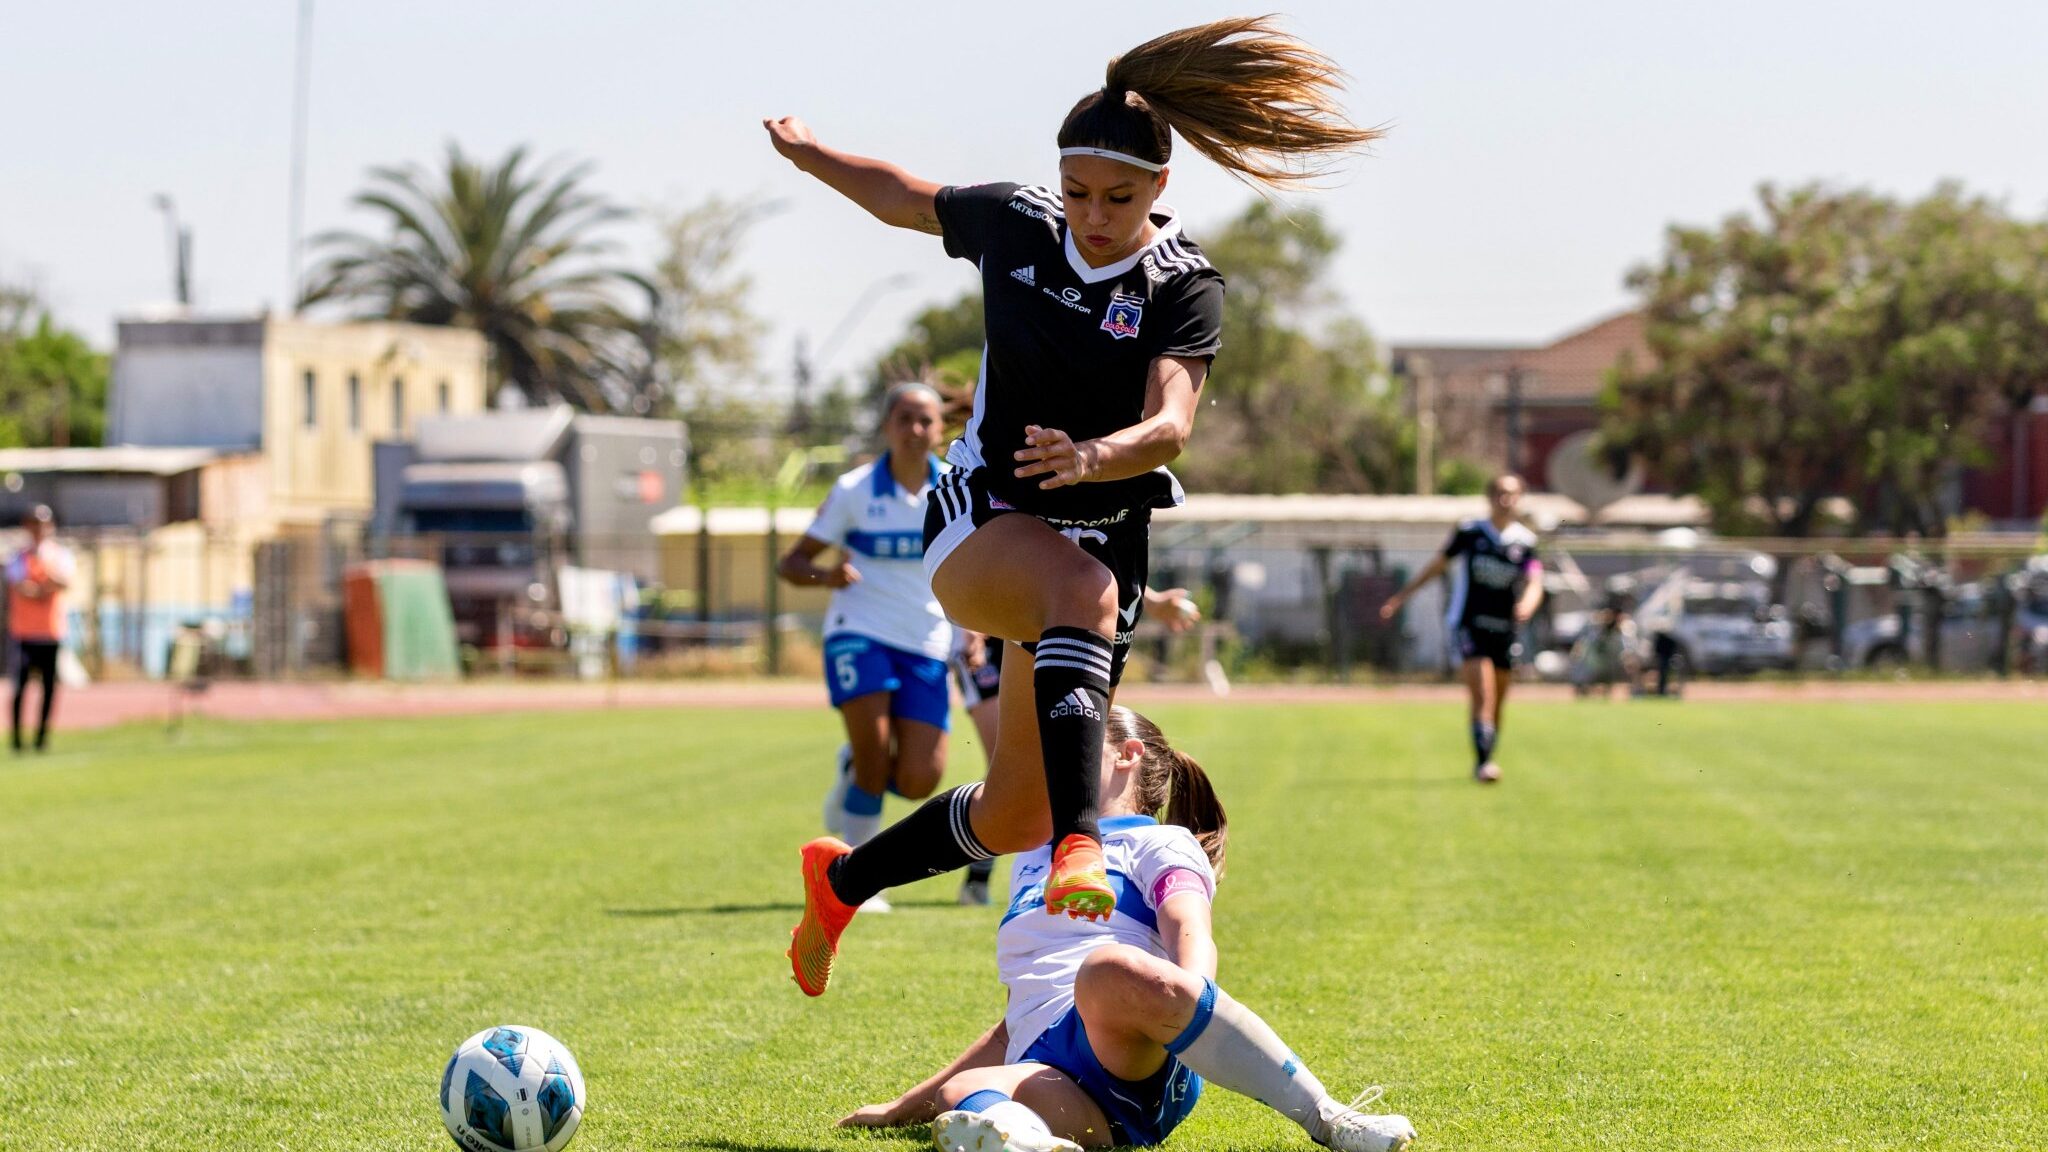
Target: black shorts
x,y
1484,644
1121,541
981,683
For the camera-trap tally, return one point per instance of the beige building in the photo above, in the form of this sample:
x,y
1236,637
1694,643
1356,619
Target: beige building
x,y
225,435
309,398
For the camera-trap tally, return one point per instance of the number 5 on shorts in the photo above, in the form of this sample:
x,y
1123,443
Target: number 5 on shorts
x,y
842,667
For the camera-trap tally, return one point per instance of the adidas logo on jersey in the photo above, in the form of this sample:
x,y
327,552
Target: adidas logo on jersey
x,y
1026,275
1074,704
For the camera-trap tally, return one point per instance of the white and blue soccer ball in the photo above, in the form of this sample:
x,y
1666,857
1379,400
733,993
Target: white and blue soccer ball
x,y
512,1089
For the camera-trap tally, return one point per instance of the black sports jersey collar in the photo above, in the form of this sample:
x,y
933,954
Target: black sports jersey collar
x,y
1169,226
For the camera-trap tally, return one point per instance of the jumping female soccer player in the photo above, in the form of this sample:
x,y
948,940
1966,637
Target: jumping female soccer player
x,y
1102,316
1483,610
886,640
1112,1027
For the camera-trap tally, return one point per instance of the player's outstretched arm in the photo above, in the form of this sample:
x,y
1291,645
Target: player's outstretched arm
x,y
890,194
920,1105
1430,571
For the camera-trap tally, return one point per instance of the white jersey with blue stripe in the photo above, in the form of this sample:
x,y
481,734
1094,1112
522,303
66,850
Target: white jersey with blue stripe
x,y
1039,955
881,528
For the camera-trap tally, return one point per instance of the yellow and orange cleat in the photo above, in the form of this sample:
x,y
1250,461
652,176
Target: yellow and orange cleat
x,y
1079,884
815,940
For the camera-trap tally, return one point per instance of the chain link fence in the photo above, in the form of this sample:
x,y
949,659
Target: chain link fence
x,y
1277,601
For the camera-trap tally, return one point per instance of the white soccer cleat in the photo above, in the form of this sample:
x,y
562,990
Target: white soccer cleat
x,y
1487,773
1346,1129
976,1132
835,796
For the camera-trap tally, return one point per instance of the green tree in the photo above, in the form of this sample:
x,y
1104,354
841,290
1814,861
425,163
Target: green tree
x,y
1839,344
512,250
943,343
707,336
53,386
1965,346
1297,402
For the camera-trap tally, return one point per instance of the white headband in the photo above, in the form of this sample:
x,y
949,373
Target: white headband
x,y
1122,157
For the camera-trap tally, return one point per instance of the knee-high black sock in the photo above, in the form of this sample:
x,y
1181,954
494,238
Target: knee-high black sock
x,y
1070,674
933,840
982,870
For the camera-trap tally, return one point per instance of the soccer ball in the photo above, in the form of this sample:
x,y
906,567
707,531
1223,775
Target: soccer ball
x,y
512,1089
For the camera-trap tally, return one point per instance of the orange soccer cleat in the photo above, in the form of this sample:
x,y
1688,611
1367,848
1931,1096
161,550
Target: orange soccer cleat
x,y
815,940
1079,884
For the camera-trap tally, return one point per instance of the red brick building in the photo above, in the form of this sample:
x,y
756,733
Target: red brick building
x,y
1507,406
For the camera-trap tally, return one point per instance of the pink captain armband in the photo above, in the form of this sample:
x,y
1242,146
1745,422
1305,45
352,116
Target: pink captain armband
x,y
1176,881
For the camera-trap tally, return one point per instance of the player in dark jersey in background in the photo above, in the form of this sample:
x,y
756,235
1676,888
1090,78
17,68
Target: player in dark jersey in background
x,y
1486,559
1101,318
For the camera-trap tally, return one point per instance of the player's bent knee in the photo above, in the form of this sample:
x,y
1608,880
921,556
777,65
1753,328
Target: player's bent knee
x,y
1118,976
963,1085
916,783
1083,596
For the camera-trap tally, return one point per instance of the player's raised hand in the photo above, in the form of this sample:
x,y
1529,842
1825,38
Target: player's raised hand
x,y
1053,454
790,135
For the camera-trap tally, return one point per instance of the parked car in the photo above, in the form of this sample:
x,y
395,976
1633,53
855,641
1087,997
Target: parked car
x,y
1719,626
1969,635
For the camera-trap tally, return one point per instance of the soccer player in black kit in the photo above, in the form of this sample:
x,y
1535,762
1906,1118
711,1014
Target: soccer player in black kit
x,y
1102,315
1487,559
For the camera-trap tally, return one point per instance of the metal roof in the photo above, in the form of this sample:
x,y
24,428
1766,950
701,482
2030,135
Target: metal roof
x,y
119,458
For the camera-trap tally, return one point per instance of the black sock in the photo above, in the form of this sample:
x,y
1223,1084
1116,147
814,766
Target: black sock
x,y
1484,736
981,871
1071,676
931,841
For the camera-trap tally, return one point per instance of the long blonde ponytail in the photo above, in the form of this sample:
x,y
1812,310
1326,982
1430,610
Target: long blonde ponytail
x,y
1246,95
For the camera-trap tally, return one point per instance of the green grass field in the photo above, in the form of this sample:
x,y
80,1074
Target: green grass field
x,y
1744,926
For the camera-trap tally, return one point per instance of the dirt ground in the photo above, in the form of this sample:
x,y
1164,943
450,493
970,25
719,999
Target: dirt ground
x,y
101,705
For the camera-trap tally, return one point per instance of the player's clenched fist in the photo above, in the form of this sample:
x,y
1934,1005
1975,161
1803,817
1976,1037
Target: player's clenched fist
x,y
790,135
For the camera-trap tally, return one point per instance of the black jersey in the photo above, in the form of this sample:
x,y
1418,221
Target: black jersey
x,y
1485,568
1069,346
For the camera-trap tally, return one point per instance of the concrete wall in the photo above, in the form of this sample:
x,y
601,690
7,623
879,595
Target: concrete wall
x,y
196,393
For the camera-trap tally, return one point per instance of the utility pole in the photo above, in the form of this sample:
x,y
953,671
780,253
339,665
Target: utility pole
x,y
296,211
181,250
1515,419
1425,427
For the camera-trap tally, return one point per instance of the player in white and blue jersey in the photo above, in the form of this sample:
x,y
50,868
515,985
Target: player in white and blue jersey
x,y
1496,585
1114,1025
886,639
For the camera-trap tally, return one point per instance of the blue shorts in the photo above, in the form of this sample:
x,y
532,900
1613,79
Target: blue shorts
x,y
857,666
1139,1111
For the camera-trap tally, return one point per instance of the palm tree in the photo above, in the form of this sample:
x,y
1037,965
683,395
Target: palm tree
x,y
510,251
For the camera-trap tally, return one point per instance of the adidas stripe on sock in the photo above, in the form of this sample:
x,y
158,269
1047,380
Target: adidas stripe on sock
x,y
935,839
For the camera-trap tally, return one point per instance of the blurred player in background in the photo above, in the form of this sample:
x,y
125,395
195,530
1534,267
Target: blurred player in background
x,y
1113,1026
1496,585
886,640
37,577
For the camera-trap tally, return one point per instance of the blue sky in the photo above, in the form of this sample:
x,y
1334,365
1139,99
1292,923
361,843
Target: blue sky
x,y
1537,151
